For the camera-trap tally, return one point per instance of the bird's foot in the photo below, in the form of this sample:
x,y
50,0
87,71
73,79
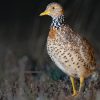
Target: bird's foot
x,y
75,93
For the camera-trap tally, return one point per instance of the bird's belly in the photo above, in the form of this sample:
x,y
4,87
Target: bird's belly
x,y
66,60
59,57
63,66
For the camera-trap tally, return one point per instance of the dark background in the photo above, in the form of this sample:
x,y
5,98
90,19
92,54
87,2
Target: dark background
x,y
24,32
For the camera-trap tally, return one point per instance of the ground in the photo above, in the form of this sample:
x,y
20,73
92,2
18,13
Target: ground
x,y
17,82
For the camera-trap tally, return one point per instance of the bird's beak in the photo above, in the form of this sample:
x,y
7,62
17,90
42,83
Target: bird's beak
x,y
45,13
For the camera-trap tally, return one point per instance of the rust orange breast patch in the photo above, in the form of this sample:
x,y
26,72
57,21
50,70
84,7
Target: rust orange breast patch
x,y
52,33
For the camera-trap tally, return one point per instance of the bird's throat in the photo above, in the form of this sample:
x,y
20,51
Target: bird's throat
x,y
57,22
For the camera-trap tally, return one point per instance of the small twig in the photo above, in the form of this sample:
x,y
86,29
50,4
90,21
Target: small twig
x,y
33,72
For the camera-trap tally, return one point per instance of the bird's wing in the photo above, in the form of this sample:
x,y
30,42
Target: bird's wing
x,y
79,44
87,53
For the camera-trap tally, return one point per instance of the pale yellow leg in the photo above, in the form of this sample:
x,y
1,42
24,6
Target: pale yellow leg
x,y
81,83
73,85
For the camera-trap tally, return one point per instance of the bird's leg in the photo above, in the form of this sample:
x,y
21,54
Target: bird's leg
x,y
81,83
73,85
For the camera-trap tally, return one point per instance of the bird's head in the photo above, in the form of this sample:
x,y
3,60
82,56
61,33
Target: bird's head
x,y
54,10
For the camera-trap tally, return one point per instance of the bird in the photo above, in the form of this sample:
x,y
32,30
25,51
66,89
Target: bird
x,y
71,52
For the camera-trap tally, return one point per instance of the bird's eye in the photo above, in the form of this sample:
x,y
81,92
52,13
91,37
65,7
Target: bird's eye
x,y
53,7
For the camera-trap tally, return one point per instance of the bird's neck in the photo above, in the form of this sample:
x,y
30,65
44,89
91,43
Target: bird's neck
x,y
57,22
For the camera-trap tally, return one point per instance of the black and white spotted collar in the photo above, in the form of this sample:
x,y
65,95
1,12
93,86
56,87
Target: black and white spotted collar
x,y
58,22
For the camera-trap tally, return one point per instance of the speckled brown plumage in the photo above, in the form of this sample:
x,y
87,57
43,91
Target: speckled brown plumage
x,y
70,49
71,52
